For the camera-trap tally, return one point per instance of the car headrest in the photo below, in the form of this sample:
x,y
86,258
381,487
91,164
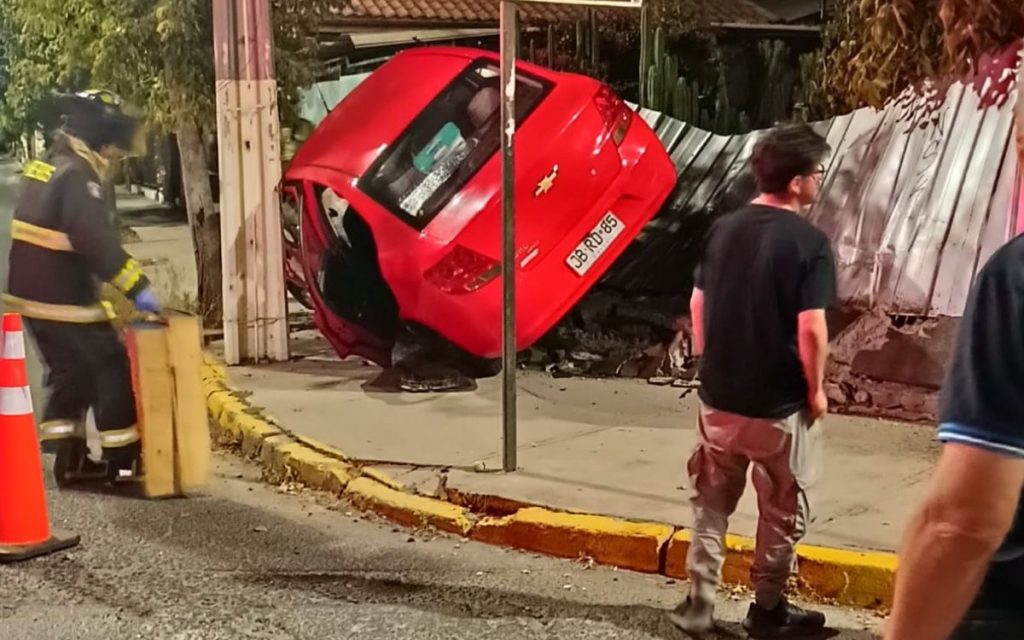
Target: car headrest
x,y
484,106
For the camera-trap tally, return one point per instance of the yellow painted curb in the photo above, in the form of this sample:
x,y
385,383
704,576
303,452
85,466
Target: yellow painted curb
x,y
408,509
856,579
629,545
382,478
284,459
235,422
738,559
316,445
851,578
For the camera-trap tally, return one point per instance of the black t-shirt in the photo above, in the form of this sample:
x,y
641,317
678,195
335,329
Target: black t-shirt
x,y
761,268
982,401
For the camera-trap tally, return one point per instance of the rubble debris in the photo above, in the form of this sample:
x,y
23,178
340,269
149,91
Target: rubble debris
x,y
859,381
610,334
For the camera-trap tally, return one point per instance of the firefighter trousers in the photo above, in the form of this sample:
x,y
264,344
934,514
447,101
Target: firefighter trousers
x,y
88,368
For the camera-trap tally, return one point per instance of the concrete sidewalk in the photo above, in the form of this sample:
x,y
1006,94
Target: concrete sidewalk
x,y
611,447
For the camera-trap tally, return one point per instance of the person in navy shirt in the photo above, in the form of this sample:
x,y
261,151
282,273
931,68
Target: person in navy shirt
x,y
961,570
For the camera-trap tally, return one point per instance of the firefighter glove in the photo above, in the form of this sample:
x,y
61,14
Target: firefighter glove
x,y
146,301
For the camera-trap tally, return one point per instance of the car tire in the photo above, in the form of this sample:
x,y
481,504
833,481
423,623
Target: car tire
x,y
427,339
483,367
300,294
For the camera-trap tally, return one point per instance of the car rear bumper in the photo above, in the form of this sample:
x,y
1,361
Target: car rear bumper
x,y
547,287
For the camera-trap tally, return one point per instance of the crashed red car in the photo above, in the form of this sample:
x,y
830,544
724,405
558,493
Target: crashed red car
x,y
399,194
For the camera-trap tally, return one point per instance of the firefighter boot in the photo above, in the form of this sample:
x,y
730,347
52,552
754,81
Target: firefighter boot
x,y
73,465
124,464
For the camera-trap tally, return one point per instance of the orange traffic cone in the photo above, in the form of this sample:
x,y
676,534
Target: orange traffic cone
x,y
24,522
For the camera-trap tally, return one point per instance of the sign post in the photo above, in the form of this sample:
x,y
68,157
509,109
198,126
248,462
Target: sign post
x,y
509,42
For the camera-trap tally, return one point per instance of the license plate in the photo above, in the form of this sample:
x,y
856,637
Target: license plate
x,y
595,243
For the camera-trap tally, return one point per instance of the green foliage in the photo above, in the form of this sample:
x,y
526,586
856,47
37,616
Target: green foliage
x,y
158,55
574,47
25,75
875,49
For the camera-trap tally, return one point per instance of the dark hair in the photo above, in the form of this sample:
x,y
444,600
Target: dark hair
x,y
786,153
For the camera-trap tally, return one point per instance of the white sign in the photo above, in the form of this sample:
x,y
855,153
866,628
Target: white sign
x,y
595,244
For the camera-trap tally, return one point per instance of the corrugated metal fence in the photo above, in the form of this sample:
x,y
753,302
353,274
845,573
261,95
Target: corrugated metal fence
x,y
914,210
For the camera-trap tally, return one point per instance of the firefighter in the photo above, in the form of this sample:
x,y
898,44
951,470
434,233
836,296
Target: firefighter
x,y
64,246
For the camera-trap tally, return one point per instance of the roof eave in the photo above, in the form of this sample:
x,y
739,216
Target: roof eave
x,y
770,29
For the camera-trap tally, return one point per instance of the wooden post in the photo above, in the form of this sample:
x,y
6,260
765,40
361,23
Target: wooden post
x,y
1019,115
191,425
255,316
156,402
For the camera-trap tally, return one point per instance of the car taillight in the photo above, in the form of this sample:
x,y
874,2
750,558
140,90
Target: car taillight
x,y
463,271
616,114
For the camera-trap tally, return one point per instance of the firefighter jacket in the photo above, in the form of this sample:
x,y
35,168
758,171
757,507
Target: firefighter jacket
x,y
64,242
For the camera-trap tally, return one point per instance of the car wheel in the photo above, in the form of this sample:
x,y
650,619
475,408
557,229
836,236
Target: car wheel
x,y
417,336
301,294
483,367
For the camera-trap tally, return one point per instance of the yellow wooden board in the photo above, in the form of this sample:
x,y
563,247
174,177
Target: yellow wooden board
x,y
191,429
156,403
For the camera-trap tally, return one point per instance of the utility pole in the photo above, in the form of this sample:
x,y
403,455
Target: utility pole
x,y
1019,107
248,135
508,18
1019,113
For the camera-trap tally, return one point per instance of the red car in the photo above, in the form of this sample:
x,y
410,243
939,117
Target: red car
x,y
399,194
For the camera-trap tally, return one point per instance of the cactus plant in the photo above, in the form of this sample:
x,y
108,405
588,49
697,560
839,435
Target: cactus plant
x,y
551,46
659,46
645,52
581,41
671,72
686,102
664,89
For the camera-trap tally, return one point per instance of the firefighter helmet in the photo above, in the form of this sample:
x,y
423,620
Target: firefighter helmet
x,y
99,118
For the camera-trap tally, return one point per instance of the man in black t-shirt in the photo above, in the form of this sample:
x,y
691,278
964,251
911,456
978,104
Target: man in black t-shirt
x,y
764,281
962,562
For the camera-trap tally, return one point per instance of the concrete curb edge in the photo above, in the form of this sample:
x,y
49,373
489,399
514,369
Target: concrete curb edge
x,y
836,576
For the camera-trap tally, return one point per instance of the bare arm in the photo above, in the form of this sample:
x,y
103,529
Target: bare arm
x,y
812,340
697,317
948,546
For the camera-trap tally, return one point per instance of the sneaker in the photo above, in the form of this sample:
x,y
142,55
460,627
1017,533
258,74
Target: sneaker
x,y
696,621
784,621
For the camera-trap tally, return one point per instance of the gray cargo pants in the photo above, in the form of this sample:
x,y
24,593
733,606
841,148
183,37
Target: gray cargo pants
x,y
786,457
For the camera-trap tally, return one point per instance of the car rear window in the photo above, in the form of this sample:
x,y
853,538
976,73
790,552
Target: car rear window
x,y
447,143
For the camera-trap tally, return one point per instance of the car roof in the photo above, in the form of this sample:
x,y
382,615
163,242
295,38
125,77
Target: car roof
x,y
377,111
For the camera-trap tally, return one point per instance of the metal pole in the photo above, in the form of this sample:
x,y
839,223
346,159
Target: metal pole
x,y
509,37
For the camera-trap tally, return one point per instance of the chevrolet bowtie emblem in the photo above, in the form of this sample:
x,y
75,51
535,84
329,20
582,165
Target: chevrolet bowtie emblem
x,y
546,183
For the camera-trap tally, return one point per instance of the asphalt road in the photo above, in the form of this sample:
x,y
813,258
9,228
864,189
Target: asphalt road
x,y
251,561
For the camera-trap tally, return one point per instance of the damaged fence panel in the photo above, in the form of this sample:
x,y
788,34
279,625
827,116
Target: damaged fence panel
x,y
914,205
